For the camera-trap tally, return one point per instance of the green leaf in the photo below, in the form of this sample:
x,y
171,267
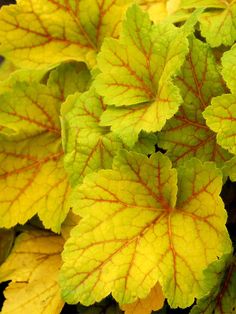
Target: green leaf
x,y
138,228
222,298
186,135
29,114
31,38
136,73
221,118
88,146
33,267
218,22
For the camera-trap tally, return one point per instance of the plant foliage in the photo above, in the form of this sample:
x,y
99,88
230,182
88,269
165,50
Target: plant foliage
x,y
117,136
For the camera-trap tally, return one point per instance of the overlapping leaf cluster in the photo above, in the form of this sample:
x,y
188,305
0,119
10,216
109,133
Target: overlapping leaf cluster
x,y
117,132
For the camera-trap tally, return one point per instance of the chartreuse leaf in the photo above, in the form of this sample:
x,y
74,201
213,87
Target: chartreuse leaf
x,y
136,75
30,38
220,115
222,298
221,118
153,302
88,146
31,113
6,241
33,289
22,75
230,169
218,22
186,134
138,228
229,68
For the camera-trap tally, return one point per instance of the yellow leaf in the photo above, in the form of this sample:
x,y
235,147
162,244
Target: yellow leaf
x,y
32,176
144,222
159,9
153,302
33,267
43,33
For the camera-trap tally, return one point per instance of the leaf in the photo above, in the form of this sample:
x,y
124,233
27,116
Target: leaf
x,y
157,9
136,75
34,152
70,222
221,118
222,298
186,135
230,169
88,146
21,75
6,242
31,38
173,6
25,164
153,302
203,3
33,268
217,23
69,78
229,68
136,230
220,115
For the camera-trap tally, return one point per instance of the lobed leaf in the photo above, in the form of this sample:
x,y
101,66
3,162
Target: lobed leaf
x,y
30,291
136,75
32,151
221,118
31,38
230,169
217,23
153,302
156,9
187,135
136,230
89,146
222,298
229,68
